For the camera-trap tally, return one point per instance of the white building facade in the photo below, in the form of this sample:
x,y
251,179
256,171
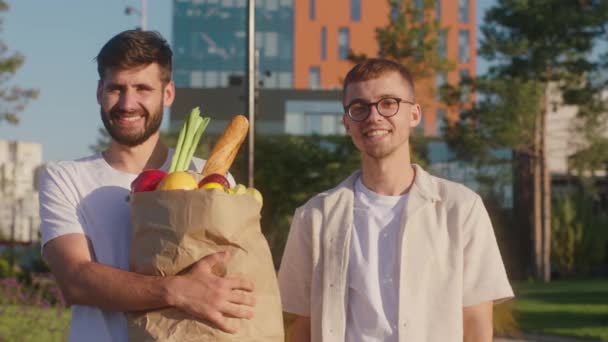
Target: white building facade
x,y
19,165
563,140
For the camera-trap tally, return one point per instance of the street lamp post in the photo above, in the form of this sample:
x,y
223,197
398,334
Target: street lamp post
x,y
251,83
142,12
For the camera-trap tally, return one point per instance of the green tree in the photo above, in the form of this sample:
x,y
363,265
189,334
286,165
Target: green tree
x,y
412,37
503,118
13,99
579,235
542,44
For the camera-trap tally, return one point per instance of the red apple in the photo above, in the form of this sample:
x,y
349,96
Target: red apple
x,y
147,180
214,178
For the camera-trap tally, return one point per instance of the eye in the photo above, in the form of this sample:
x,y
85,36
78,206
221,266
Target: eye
x,y
358,108
113,89
143,87
388,103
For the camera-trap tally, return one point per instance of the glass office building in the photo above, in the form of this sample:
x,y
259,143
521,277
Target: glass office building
x,y
210,42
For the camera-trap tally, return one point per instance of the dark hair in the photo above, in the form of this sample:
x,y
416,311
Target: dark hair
x,y
373,68
133,48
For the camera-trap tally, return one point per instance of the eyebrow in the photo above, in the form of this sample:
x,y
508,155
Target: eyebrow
x,y
383,96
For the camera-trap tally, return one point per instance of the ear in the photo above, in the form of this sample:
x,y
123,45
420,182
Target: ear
x,y
99,91
415,115
169,93
346,124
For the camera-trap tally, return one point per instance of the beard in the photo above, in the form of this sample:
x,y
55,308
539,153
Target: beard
x,y
132,138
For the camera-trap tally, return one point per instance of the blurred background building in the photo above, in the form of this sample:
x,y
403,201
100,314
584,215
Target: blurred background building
x,y
302,48
19,165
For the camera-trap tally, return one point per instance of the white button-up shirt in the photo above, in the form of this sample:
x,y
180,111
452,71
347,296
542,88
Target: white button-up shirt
x,y
449,259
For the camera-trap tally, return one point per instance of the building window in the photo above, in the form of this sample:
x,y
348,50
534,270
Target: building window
x,y
419,9
465,88
463,46
355,10
438,10
440,122
343,43
323,43
440,81
271,44
312,9
420,127
314,77
212,79
272,5
285,47
395,10
285,80
442,42
463,11
305,117
196,79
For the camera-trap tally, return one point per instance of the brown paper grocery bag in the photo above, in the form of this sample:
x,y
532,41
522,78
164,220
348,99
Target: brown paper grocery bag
x,y
172,230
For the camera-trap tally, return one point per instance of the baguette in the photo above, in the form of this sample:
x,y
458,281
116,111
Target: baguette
x,y
225,149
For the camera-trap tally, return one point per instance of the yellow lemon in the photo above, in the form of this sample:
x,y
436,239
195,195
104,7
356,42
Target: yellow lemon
x,y
179,180
240,189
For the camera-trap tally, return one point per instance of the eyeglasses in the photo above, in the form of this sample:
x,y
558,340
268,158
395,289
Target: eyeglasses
x,y
388,106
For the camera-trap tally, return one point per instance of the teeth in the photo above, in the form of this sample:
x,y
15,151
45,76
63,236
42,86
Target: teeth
x,y
131,118
376,133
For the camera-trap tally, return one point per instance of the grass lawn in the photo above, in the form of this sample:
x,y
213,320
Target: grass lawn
x,y
30,323
564,307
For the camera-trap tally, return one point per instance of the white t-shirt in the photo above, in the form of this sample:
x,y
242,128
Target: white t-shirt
x,y
373,266
89,197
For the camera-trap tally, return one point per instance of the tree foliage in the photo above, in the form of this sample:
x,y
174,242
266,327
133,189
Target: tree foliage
x,y
13,99
411,38
543,55
579,238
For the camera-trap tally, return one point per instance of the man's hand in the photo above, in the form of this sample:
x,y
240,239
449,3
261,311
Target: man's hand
x,y
199,291
204,293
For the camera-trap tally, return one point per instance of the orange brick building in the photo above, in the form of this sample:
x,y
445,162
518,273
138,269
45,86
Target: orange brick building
x,y
320,27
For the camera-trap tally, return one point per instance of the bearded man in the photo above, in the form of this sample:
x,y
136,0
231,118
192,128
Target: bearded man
x,y
85,221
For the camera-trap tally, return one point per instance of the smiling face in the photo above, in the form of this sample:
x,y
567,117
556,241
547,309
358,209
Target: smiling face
x,y
132,103
379,137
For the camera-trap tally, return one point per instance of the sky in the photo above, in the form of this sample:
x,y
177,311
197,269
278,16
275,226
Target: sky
x,y
60,40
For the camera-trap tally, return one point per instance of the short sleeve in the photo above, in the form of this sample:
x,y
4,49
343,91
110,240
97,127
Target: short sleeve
x,y
58,205
295,272
485,278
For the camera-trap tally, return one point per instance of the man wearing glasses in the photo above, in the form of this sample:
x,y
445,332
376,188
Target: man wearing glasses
x,y
392,253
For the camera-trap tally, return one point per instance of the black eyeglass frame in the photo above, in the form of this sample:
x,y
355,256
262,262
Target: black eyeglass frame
x,y
375,104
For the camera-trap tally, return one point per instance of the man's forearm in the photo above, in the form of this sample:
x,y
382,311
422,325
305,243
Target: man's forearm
x,y
299,331
477,322
113,289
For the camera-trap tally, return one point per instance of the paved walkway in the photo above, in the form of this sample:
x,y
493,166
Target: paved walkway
x,y
536,338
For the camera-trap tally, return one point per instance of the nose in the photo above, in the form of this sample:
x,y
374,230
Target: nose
x,y
128,101
374,115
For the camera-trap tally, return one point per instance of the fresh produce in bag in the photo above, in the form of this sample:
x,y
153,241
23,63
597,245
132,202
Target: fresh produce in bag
x,y
182,217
